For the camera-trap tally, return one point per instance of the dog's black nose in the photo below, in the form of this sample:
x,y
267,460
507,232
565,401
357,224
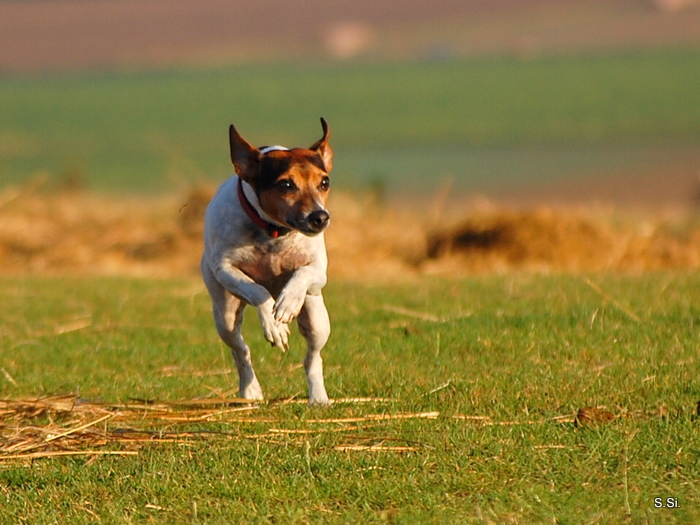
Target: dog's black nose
x,y
318,220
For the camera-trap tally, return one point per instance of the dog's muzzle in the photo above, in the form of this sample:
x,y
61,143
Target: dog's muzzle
x,y
318,220
313,224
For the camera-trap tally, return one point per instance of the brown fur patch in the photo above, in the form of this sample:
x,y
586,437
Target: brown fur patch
x,y
304,169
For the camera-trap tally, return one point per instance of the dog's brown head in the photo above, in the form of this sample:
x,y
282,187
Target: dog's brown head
x,y
292,185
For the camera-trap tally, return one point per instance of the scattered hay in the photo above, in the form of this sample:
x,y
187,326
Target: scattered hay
x,y
374,448
73,232
69,426
63,425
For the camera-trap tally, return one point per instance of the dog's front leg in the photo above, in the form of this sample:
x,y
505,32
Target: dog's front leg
x,y
306,280
239,284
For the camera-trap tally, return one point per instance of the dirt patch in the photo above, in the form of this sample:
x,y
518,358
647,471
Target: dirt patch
x,y
45,232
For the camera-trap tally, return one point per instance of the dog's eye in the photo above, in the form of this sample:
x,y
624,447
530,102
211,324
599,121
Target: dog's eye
x,y
286,185
325,184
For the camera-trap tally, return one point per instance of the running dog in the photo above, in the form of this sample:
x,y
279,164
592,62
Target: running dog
x,y
264,247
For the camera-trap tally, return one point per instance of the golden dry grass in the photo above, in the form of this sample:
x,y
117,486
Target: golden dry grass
x,y
73,232
66,425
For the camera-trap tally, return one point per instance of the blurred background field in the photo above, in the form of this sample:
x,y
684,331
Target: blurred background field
x,y
496,97
487,125
440,111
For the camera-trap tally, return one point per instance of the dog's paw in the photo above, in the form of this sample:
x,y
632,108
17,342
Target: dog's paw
x,y
252,391
289,304
319,402
275,332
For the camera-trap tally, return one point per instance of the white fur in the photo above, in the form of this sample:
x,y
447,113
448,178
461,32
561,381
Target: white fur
x,y
281,277
268,149
249,193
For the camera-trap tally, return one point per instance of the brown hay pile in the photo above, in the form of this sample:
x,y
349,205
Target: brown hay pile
x,y
577,241
74,232
80,233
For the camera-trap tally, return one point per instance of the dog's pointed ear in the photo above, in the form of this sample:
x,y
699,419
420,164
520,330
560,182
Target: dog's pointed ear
x,y
323,148
245,158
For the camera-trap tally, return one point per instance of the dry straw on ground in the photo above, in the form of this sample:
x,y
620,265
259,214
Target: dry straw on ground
x,y
68,426
73,232
60,426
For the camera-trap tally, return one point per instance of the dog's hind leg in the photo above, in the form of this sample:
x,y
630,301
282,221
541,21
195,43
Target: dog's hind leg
x,y
249,388
315,326
228,316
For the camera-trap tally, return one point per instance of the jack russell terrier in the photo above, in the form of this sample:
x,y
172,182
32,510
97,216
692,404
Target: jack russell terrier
x,y
264,246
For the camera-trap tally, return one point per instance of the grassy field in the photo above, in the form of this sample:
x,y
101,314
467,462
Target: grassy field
x,y
471,385
481,121
496,367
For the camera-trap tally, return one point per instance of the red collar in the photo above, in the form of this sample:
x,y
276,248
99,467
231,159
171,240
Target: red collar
x,y
273,230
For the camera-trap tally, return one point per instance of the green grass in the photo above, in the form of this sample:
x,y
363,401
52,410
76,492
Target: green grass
x,y
145,131
518,348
